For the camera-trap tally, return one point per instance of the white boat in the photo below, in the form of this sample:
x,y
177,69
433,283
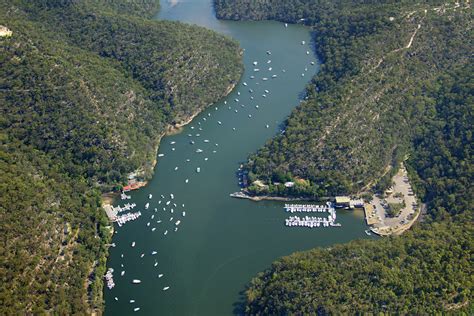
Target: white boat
x,y
206,159
160,275
166,232
267,126
133,244
199,150
171,219
266,91
303,42
136,281
274,76
236,100
147,206
198,169
312,63
132,301
256,106
286,24
255,63
175,168
168,202
184,213
264,78
307,52
219,122
186,181
176,229
256,70
122,273
270,69
173,149
136,309
245,83
225,102
156,264
178,222
252,77
269,52
172,143
238,92
153,229
142,255
148,224
154,252
161,155
269,61
206,140
166,288
250,115
116,298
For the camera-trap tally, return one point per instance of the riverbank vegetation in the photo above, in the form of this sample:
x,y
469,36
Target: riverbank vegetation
x,y
88,89
396,81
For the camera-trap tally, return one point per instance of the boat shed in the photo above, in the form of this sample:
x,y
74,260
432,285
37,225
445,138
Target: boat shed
x,y
343,201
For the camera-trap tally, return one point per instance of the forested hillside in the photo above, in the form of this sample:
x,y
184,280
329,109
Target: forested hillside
x,y
365,104
396,81
87,89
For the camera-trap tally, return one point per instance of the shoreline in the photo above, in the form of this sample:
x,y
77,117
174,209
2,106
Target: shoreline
x,y
171,129
258,198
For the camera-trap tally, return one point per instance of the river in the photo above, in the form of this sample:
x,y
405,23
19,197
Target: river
x,y
221,242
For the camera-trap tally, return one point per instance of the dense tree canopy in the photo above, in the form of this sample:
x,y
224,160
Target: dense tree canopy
x,y
87,90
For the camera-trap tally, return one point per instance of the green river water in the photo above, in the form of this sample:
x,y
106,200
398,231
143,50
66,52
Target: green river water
x,y
222,242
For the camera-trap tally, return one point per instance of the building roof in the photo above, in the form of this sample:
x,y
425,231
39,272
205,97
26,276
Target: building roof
x,y
342,199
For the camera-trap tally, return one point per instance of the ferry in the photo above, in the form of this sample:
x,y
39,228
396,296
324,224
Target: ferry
x,y
136,281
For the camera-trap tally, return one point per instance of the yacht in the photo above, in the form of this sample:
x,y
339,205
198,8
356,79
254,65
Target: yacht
x,y
136,281
161,155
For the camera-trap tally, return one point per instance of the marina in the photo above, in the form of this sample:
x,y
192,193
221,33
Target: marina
x,y
209,250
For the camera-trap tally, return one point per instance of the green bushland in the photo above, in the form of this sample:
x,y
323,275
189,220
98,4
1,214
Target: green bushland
x,y
87,89
379,97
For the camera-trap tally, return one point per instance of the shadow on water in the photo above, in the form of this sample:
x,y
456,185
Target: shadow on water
x,y
239,305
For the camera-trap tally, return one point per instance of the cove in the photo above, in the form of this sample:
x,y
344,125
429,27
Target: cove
x,y
221,242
